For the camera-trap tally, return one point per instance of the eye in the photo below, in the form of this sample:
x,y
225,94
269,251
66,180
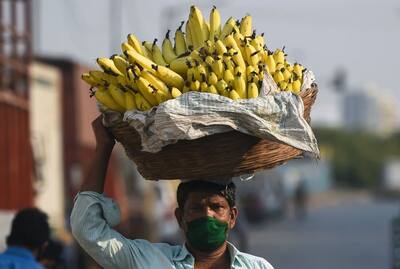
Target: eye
x,y
217,206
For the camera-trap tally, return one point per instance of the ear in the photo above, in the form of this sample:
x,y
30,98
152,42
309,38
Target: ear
x,y
233,216
179,216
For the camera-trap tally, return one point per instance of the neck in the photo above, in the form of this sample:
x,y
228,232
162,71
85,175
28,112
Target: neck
x,y
218,258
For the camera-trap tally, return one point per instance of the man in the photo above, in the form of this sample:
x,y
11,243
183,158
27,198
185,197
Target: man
x,y
52,256
206,212
30,232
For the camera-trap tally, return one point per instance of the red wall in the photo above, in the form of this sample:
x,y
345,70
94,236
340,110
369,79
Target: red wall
x,y
16,166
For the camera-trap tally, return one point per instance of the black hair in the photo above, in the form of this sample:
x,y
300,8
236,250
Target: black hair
x,y
185,188
30,229
53,252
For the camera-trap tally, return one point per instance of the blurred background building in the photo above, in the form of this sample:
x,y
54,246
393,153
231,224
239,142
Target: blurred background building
x,y
370,110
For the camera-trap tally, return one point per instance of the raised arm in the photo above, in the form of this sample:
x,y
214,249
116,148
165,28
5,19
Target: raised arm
x,y
95,176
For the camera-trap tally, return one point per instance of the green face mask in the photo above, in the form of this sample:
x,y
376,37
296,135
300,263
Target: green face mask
x,y
207,233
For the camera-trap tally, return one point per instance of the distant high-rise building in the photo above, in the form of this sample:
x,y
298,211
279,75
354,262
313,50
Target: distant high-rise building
x,y
370,110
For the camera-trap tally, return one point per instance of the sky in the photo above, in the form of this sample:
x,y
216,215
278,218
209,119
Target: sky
x,y
360,36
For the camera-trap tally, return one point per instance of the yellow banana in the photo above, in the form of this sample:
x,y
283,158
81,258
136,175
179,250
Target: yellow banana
x,y
180,43
249,70
221,86
215,23
240,40
125,46
298,69
282,85
165,74
239,84
209,47
209,60
160,96
147,53
212,89
120,63
154,81
286,74
198,26
246,25
195,85
130,103
108,66
167,49
288,66
135,43
146,90
179,65
195,55
220,47
230,41
227,29
278,76
279,66
189,38
124,82
89,80
296,85
229,64
212,78
252,55
279,55
175,92
256,44
148,45
136,58
238,59
203,86
169,77
270,61
206,29
260,40
102,78
157,54
228,76
117,94
234,95
218,68
103,96
141,102
289,87
252,90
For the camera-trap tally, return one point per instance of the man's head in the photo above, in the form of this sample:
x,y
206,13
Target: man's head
x,y
206,210
30,229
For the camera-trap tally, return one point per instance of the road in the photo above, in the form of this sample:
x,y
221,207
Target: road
x,y
349,234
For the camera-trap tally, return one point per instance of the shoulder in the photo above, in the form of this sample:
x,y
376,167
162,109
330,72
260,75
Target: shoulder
x,y
255,261
12,261
160,248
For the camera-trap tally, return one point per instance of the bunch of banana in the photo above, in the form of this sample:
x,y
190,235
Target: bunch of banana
x,y
229,60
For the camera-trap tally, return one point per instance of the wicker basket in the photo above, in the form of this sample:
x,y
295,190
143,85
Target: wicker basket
x,y
218,156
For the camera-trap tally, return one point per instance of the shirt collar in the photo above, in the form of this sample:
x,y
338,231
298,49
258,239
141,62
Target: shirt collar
x,y
21,252
184,253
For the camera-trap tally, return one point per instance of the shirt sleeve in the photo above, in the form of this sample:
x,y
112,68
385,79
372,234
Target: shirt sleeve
x,y
91,220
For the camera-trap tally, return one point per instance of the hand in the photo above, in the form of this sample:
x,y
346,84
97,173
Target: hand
x,y
104,138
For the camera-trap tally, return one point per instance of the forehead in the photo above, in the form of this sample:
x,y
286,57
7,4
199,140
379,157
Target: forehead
x,y
205,196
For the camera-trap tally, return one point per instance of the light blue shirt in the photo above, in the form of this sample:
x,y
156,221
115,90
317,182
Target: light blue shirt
x,y
93,216
18,258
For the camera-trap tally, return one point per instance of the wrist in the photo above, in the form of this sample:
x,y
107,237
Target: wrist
x,y
105,147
